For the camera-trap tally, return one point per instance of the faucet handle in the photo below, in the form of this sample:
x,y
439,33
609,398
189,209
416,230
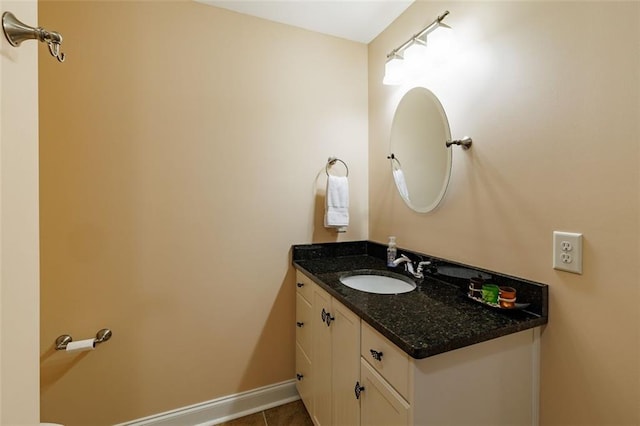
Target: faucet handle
x,y
421,266
408,266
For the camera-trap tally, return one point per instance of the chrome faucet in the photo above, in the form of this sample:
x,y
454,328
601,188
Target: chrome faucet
x,y
408,266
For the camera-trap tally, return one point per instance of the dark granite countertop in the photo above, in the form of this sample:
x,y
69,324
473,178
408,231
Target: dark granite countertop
x,y
436,317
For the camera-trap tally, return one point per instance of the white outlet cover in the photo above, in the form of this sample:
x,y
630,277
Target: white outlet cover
x,y
567,251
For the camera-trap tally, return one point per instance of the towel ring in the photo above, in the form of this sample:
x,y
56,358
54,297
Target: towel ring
x,y
331,161
393,158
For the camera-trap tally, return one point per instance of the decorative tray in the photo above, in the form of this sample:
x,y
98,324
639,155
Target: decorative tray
x,y
497,306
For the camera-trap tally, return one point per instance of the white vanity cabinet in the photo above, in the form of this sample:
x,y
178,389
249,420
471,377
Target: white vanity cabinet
x,y
492,382
328,389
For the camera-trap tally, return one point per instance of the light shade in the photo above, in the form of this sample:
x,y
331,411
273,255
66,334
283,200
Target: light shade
x,y
416,53
393,70
415,58
442,44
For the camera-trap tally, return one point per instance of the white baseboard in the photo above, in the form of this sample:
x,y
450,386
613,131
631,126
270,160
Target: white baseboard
x,y
223,409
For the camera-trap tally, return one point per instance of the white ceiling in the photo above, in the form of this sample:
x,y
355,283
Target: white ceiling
x,y
357,20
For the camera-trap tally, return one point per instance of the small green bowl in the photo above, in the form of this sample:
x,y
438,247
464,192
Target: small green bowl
x,y
490,293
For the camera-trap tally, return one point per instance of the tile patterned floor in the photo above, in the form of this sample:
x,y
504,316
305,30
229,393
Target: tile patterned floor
x,y
291,414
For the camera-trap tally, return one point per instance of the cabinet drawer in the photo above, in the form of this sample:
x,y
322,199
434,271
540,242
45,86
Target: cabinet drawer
x,y
393,365
304,286
303,376
303,324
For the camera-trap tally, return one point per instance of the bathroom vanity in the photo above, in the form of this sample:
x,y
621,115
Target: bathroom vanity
x,y
431,356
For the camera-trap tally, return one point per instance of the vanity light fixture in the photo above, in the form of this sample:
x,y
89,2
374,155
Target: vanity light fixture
x,y
410,53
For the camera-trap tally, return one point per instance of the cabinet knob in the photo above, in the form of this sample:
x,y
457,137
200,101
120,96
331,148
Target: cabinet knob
x,y
358,390
299,376
299,324
376,355
300,285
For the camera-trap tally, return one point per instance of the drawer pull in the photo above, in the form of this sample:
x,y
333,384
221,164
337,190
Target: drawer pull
x,y
358,390
300,285
299,376
376,355
299,324
326,317
329,319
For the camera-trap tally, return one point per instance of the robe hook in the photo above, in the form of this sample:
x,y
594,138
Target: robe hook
x,y
17,32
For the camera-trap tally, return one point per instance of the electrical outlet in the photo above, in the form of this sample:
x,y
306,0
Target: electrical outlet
x,y
567,252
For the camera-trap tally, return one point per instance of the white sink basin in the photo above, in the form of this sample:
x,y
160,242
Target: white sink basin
x,y
375,282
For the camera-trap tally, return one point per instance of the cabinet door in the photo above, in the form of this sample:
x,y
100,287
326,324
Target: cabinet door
x,y
380,404
345,365
321,349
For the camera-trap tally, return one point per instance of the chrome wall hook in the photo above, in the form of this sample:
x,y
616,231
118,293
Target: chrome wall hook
x,y
16,32
465,142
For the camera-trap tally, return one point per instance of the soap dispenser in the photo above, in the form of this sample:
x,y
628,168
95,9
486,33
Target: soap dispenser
x,y
392,251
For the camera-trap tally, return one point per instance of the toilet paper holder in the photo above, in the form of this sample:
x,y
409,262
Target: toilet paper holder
x,y
63,340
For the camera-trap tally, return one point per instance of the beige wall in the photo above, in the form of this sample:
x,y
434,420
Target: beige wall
x,y
181,148
550,93
19,272
179,162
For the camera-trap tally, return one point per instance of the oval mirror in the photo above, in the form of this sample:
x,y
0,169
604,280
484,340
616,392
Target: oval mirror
x,y
420,160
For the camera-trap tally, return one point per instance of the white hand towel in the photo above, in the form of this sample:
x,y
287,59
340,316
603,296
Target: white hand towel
x,y
336,213
401,183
